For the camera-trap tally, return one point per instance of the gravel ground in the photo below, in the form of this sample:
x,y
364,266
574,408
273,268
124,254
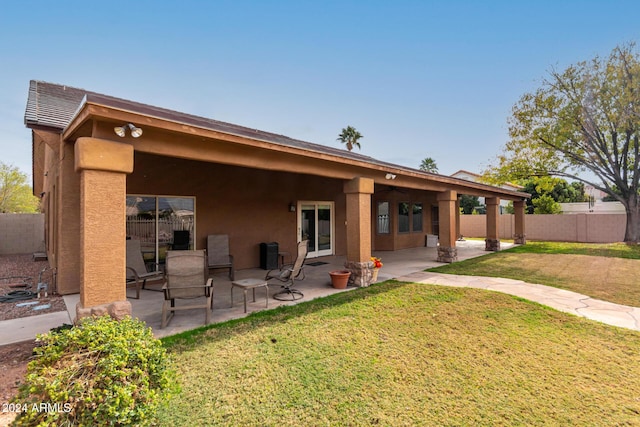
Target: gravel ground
x,y
24,272
21,270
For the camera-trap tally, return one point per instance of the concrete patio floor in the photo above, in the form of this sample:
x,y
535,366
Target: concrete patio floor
x,y
316,284
405,265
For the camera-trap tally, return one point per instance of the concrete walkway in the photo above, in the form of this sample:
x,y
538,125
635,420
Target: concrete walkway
x,y
562,300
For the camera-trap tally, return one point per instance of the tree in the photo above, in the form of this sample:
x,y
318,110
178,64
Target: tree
x,y
557,190
350,137
15,193
584,119
468,203
429,165
546,205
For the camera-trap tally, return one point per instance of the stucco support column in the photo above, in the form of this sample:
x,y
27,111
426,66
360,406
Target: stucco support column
x,y
103,166
358,192
519,237
492,242
447,251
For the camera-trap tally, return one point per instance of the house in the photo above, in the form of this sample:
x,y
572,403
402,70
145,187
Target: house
x,y
474,177
110,169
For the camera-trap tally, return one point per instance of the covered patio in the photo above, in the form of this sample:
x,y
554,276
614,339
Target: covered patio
x,y
110,170
316,284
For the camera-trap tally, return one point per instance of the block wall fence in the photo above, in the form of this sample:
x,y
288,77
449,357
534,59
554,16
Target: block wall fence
x,y
21,233
586,228
24,233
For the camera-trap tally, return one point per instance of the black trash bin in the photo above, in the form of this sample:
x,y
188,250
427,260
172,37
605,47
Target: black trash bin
x,y
269,256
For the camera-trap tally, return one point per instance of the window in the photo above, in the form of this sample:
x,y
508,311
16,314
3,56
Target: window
x,y
416,218
403,217
383,217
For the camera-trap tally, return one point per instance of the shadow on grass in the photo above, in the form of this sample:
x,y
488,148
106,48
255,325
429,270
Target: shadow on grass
x,y
279,314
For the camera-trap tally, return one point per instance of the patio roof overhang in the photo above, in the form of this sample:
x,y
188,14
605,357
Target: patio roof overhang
x,y
174,134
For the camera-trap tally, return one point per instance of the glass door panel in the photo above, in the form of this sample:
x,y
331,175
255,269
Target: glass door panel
x,y
308,225
175,214
315,223
141,225
324,228
155,220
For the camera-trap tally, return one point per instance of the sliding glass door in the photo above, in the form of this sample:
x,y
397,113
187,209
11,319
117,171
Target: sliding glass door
x,y
159,222
315,223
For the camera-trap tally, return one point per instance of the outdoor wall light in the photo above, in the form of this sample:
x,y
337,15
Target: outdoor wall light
x,y
389,176
121,130
292,207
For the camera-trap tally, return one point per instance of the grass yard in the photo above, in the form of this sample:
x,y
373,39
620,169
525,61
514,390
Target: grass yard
x,y
610,272
407,354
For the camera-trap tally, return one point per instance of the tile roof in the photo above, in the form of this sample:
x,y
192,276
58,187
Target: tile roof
x,y
53,105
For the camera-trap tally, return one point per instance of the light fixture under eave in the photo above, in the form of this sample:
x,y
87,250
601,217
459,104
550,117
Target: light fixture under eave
x,y
121,131
390,176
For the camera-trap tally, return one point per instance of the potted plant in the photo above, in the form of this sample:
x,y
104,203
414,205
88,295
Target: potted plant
x,y
339,278
377,265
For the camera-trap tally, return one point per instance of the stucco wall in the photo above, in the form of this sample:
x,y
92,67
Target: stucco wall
x,y
21,233
250,205
394,240
589,228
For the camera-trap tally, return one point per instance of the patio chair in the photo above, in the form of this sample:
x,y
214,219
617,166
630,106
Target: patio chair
x,y
186,278
289,273
180,240
137,274
218,254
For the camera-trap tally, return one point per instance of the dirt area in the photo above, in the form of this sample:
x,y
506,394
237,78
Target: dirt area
x,y
13,365
21,273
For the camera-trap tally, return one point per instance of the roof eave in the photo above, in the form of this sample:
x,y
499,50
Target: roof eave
x,y
91,109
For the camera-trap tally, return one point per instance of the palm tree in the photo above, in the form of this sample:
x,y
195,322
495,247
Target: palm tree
x,y
429,165
350,136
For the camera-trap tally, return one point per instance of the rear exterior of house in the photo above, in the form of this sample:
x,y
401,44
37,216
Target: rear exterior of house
x,y
188,173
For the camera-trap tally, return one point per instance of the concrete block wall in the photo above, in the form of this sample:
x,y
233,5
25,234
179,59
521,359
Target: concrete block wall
x,y
587,228
21,233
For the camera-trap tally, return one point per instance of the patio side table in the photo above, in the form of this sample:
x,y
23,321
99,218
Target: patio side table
x,y
245,285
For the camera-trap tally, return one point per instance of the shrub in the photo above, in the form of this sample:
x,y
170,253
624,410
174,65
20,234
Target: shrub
x,y
101,372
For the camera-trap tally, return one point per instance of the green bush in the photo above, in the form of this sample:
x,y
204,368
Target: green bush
x,y
100,373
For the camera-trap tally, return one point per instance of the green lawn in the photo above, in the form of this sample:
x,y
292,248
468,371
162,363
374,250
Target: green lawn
x,y
605,271
611,250
407,354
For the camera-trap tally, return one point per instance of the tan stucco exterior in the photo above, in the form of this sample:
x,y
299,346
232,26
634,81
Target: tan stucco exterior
x,y
358,224
102,166
243,184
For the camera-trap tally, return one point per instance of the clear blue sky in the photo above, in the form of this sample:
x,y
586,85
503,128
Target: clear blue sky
x,y
417,78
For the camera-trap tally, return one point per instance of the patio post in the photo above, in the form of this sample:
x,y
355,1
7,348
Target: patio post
x,y
103,166
358,192
492,242
519,236
447,251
